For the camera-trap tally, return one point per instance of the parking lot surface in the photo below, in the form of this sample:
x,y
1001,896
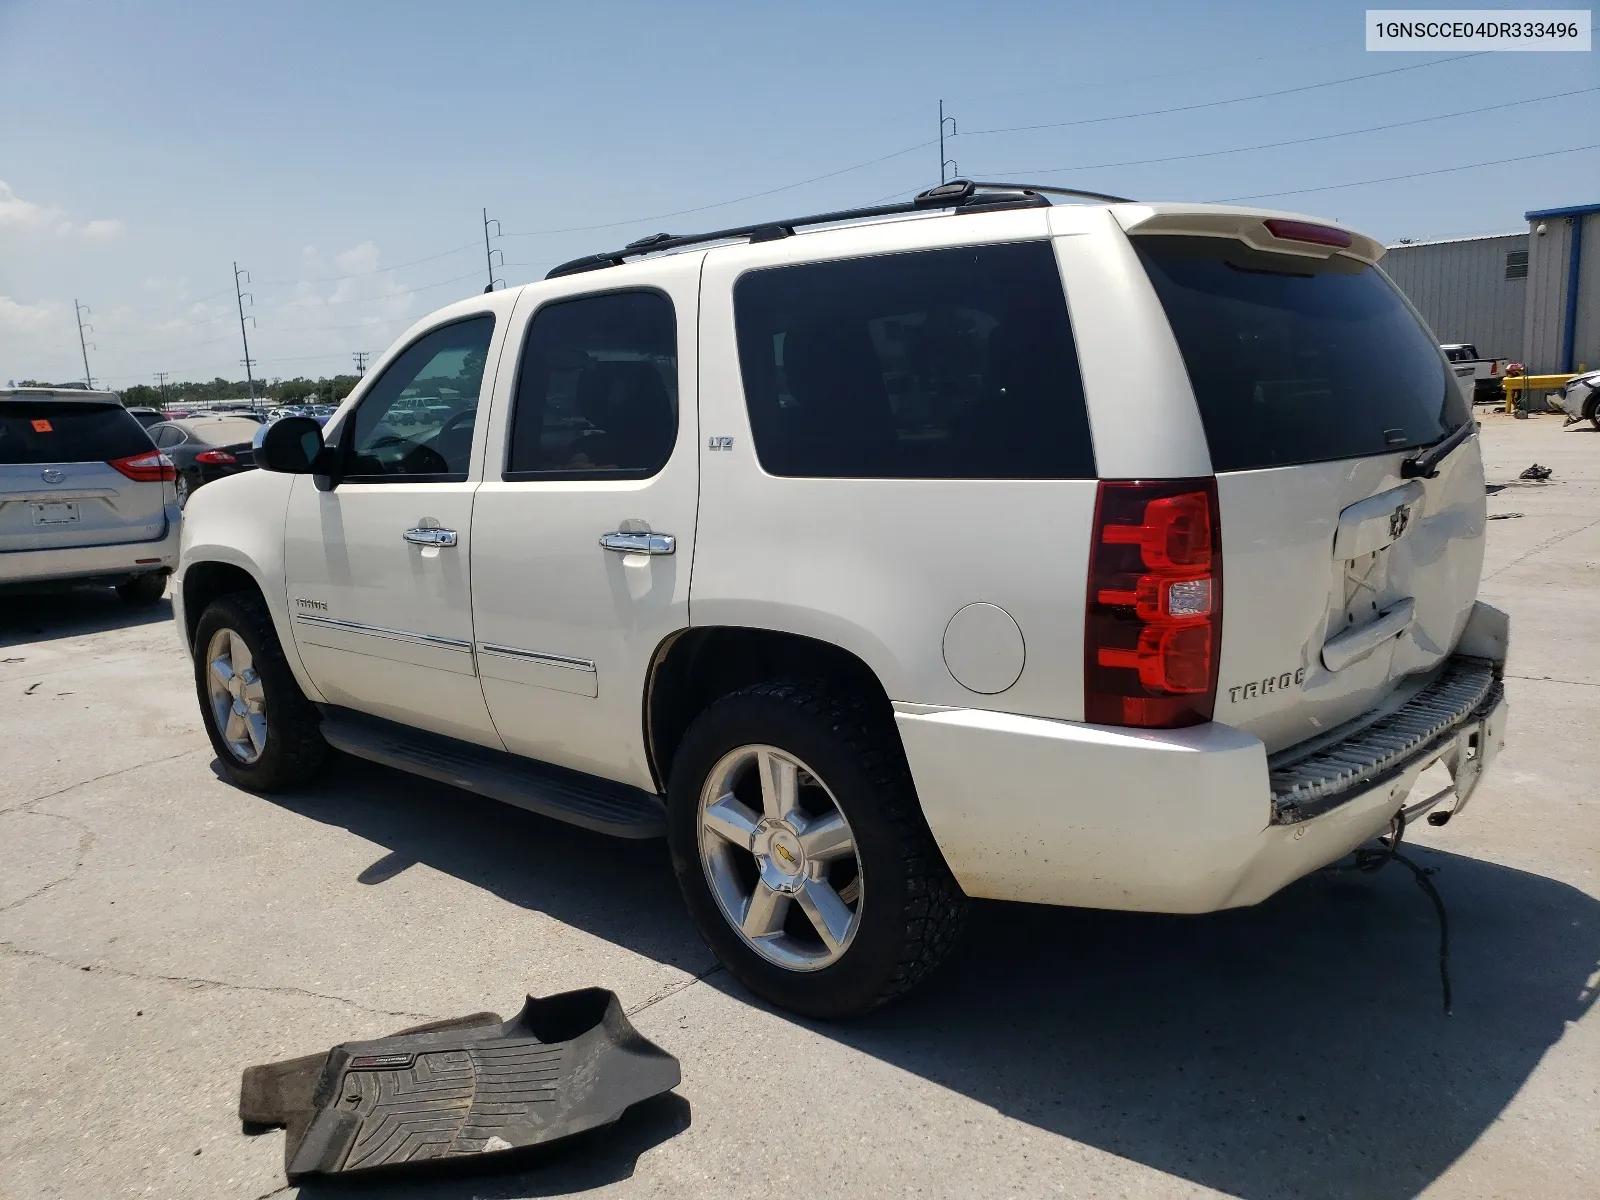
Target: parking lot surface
x,y
160,930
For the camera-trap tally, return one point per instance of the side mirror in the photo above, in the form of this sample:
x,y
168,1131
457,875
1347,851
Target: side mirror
x,y
291,445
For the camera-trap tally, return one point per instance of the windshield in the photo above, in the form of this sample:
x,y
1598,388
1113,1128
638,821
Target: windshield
x,y
1299,360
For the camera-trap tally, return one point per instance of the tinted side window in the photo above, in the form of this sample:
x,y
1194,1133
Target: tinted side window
x,y
597,391
1298,360
66,431
416,422
938,364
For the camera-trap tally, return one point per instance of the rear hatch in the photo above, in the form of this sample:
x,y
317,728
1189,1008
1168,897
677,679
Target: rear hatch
x,y
1315,381
58,485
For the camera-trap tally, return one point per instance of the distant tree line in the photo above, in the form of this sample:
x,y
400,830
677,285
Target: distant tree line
x,y
299,390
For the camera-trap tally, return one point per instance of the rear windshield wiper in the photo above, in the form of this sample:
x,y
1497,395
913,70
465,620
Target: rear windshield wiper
x,y
1426,464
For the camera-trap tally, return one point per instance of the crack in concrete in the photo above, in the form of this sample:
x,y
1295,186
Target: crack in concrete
x,y
673,989
86,840
27,805
1550,679
1542,546
200,982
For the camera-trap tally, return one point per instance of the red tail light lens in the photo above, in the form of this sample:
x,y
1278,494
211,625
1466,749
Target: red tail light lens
x,y
150,467
1153,630
215,457
1305,231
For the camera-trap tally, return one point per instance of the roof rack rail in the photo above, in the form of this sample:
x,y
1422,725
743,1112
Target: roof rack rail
x,y
956,194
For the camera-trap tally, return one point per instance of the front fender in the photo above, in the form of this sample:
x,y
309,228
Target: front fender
x,y
239,522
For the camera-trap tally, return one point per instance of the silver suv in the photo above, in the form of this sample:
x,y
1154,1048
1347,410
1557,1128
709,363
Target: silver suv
x,y
84,495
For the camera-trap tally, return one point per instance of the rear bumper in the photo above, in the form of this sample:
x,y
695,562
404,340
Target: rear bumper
x,y
1180,820
71,563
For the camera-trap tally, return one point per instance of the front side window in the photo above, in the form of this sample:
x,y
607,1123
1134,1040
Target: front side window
x,y
597,390
416,422
934,364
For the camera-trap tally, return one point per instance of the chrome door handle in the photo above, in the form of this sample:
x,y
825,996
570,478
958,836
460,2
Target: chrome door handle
x,y
639,543
430,536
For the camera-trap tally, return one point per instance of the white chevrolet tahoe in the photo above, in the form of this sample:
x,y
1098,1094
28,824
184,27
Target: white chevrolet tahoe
x,y
1107,554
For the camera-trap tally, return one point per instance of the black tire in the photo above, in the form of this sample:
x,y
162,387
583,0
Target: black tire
x,y
913,908
295,752
144,589
1592,411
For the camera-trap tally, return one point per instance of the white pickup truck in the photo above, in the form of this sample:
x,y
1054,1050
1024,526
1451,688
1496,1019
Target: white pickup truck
x,y
1482,379
848,553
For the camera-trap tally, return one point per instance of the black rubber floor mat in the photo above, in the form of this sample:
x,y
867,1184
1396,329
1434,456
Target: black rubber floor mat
x,y
472,1086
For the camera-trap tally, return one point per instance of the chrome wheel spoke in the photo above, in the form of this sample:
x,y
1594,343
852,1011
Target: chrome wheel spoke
x,y
826,838
732,821
221,672
252,693
255,726
764,912
827,913
780,785
239,654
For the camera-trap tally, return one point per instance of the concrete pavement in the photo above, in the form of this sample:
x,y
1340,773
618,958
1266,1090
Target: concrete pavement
x,y
160,930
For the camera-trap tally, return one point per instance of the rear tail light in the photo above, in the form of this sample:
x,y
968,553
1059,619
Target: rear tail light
x,y
1153,630
215,457
1494,368
1305,231
150,467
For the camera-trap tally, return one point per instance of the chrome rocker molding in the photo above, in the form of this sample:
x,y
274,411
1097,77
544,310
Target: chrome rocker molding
x,y
1308,783
551,660
397,635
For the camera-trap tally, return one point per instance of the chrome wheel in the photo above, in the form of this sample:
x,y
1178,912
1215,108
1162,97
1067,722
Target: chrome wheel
x,y
182,488
780,858
237,697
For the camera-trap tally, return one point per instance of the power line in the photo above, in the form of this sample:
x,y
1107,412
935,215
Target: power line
x,y
683,212
78,310
363,274
1322,137
1330,187
1162,112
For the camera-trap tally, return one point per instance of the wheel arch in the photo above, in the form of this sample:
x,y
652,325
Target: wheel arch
x,y
210,572
693,668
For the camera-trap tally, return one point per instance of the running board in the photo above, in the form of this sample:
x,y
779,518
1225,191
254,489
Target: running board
x,y
550,791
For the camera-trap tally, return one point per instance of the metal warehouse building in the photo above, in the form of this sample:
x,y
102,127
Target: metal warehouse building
x,y
1532,296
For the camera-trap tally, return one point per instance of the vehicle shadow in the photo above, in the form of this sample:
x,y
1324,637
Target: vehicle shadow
x,y
30,616
1294,1048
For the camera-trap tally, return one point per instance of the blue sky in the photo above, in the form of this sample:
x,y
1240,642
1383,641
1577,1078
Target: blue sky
x,y
146,147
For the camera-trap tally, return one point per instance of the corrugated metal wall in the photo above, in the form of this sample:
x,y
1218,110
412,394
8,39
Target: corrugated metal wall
x,y
1548,253
1587,343
1462,291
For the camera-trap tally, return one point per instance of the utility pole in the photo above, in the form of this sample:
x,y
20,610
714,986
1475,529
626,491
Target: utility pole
x,y
80,309
161,381
488,254
249,362
360,357
943,161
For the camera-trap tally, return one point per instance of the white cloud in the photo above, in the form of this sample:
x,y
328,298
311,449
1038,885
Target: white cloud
x,y
16,317
27,216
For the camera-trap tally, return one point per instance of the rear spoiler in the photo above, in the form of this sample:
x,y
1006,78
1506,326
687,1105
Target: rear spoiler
x,y
1247,225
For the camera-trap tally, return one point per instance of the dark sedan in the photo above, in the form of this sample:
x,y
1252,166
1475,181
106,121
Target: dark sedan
x,y
206,448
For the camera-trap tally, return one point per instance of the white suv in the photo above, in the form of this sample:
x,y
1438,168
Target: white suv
x,y
1106,554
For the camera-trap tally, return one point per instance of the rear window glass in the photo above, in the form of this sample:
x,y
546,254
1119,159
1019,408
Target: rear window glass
x,y
1299,360
63,431
936,364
